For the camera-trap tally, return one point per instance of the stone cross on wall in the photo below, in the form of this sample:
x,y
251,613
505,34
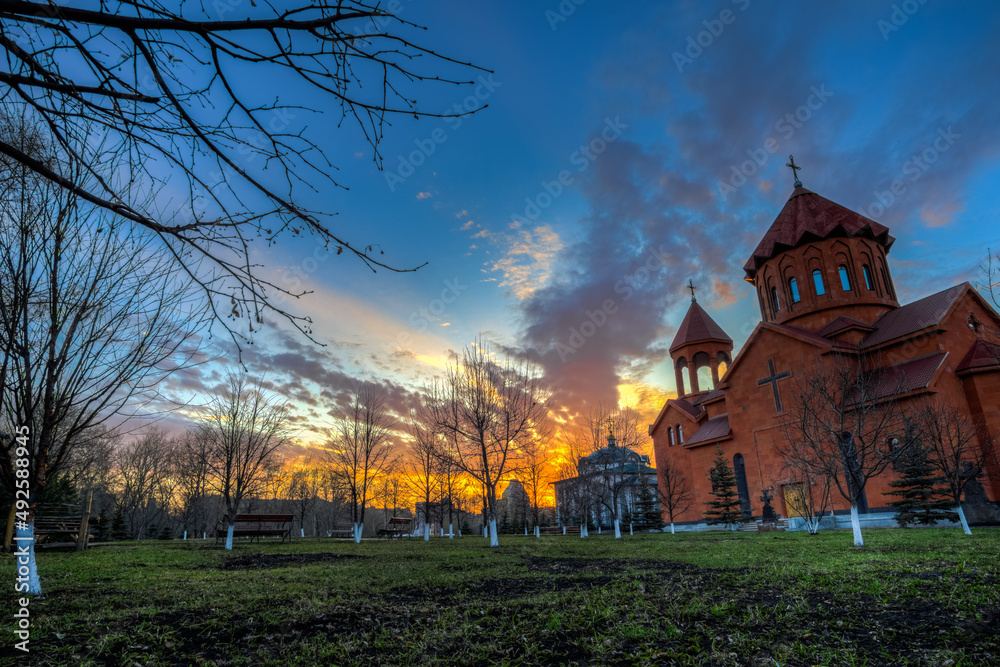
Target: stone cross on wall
x,y
773,380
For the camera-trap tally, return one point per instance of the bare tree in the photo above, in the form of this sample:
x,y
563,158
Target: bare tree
x,y
846,425
674,491
490,409
361,450
951,438
142,472
192,453
91,320
166,85
425,458
245,428
535,476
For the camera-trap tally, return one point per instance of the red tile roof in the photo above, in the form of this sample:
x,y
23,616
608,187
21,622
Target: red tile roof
x,y
912,317
907,376
710,396
714,428
698,326
809,217
685,406
982,354
844,322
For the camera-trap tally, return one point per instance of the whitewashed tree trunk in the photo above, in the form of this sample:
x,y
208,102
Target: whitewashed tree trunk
x,y
451,531
494,541
538,531
599,530
486,532
961,517
25,545
672,531
427,532
185,535
229,538
357,533
618,529
856,525
525,531
302,532
630,529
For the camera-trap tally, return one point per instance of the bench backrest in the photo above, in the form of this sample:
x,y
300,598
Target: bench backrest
x,y
399,521
259,518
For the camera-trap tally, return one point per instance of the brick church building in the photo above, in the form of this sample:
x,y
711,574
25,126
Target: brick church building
x,y
826,294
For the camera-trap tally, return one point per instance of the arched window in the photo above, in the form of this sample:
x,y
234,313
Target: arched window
x,y
680,434
775,304
868,277
670,436
793,289
818,282
845,278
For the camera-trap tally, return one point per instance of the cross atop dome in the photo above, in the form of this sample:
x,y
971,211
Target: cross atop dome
x,y
690,286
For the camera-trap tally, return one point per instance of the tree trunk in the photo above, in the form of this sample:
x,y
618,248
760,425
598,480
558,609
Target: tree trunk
x,y
618,530
229,536
961,517
27,568
451,531
494,542
357,532
856,525
672,531
427,532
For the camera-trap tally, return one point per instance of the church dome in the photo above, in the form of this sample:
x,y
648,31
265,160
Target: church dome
x,y
819,261
808,217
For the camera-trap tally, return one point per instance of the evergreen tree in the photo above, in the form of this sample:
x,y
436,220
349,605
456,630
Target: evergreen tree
x,y
119,529
165,533
920,498
725,508
647,513
103,527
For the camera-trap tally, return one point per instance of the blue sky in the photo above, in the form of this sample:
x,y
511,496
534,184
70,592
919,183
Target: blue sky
x,y
673,100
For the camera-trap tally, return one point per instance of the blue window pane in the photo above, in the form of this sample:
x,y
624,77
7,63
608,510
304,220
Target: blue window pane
x,y
868,277
818,282
845,280
793,287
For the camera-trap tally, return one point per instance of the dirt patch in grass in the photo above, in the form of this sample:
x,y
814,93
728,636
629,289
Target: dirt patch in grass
x,y
259,561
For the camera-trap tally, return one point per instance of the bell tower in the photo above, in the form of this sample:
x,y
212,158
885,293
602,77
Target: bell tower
x,y
699,342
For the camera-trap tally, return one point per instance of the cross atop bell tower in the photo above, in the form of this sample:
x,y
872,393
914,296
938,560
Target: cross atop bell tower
x,y
690,286
795,170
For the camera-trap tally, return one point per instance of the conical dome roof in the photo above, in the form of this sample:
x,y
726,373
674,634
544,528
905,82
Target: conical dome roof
x,y
808,217
698,326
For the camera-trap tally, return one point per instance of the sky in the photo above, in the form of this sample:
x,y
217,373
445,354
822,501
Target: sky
x,y
619,155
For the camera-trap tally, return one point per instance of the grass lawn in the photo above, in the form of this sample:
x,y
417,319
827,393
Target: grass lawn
x,y
927,597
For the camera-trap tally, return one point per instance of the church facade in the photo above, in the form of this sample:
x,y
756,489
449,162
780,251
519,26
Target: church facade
x,y
826,297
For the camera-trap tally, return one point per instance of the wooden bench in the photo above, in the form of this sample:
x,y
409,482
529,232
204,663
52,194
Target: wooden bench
x,y
397,526
57,520
341,530
558,530
256,525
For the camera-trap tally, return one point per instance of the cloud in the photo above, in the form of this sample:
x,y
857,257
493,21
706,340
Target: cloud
x,y
467,225
423,195
528,261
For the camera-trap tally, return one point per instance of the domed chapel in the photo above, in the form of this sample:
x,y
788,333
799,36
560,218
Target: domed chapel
x,y
826,299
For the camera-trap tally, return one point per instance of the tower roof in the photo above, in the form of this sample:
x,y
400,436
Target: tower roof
x,y
698,326
808,217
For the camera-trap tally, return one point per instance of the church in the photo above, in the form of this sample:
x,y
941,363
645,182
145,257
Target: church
x,y
826,294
